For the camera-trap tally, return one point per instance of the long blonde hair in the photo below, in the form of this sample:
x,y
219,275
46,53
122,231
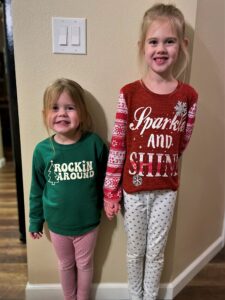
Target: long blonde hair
x,y
176,18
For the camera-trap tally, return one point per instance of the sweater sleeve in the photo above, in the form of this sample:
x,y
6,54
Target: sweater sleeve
x,y
191,114
112,184
102,163
36,215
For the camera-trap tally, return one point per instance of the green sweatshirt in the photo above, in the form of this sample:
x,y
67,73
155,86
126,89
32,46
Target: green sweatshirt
x,y
67,183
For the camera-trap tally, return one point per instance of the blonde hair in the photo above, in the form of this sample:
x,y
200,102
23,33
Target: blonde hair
x,y
176,18
77,94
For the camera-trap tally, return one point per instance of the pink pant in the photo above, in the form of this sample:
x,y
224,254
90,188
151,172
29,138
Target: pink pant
x,y
75,259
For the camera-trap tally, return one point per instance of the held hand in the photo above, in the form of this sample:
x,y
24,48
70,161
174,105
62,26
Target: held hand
x,y
36,235
117,208
111,209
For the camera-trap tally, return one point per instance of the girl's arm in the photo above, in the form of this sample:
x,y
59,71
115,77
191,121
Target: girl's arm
x,y
36,214
189,127
112,185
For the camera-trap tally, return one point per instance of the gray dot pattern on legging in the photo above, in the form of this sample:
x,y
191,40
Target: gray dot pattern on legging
x,y
148,218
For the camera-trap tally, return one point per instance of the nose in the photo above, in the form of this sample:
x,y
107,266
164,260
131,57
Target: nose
x,y
62,111
161,48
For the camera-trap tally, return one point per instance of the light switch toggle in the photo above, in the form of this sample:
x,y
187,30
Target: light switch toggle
x,y
75,35
63,34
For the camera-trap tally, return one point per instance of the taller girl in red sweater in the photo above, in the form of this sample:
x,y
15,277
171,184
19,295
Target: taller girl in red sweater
x,y
154,123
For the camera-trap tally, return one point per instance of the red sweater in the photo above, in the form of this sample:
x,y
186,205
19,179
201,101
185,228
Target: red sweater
x,y
150,133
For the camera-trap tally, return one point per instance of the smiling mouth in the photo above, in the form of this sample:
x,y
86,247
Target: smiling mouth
x,y
160,59
62,122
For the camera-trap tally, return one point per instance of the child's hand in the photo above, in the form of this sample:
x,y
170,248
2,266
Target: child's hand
x,y
117,208
111,209
36,235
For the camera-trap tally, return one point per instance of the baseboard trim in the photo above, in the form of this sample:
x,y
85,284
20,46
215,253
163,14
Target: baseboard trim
x,y
104,291
223,234
2,162
170,290
43,291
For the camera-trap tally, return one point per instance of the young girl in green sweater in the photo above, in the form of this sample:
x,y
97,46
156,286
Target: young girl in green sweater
x,y
66,190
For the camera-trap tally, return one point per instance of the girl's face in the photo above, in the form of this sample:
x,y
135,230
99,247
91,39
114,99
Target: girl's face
x,y
161,48
63,117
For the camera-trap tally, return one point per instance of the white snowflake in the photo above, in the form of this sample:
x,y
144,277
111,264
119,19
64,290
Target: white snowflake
x,y
114,143
137,180
181,108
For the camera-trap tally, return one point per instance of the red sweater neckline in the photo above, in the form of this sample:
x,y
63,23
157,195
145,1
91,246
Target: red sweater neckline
x,y
141,82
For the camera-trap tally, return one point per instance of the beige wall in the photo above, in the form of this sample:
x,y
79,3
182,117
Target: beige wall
x,y
200,216
112,35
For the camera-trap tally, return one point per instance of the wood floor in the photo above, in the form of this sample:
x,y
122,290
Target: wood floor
x,y
209,284
13,261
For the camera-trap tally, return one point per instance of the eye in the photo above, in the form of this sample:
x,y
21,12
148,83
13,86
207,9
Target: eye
x,y
71,107
171,41
152,42
55,107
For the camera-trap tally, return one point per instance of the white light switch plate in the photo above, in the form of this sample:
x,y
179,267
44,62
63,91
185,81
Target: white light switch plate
x,y
69,35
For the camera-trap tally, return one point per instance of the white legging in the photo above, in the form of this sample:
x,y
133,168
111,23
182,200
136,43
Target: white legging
x,y
148,218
